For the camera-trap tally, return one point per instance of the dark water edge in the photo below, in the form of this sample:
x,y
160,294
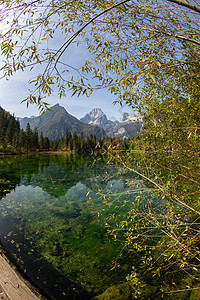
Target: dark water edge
x,y
30,274
39,190
75,292
11,261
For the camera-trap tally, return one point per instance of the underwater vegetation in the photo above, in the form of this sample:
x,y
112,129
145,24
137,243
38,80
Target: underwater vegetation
x,y
50,223
65,220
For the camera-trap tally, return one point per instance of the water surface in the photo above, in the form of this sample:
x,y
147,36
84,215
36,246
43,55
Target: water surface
x,y
53,222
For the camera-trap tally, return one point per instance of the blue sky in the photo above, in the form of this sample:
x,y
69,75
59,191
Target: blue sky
x,y
14,90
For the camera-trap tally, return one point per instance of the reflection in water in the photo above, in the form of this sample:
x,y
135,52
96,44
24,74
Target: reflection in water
x,y
49,222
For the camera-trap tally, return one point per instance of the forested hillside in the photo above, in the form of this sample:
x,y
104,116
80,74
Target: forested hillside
x,y
16,140
9,129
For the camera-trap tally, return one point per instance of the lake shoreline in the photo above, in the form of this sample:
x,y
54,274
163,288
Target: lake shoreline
x,y
2,154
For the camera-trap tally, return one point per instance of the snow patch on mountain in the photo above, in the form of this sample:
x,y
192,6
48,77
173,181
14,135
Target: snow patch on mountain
x,y
128,117
126,127
96,117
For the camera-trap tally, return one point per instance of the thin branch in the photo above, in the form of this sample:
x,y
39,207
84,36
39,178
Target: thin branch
x,y
186,4
71,39
184,290
171,35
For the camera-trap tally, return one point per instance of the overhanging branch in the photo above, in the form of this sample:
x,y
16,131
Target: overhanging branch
x,y
186,4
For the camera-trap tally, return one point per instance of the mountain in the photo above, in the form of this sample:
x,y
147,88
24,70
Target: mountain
x,y
123,130
126,127
128,117
54,123
96,117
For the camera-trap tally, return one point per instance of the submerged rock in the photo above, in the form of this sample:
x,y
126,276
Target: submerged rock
x,y
114,186
125,292
117,292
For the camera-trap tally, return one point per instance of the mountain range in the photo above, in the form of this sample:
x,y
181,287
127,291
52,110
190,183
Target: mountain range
x,y
126,127
55,121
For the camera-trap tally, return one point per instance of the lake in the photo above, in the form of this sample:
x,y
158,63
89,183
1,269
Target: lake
x,y
54,214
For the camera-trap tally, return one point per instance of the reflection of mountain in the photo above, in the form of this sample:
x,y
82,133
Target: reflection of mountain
x,y
56,175
113,186
58,181
79,191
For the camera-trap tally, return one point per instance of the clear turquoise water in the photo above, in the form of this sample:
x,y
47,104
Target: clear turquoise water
x,y
53,222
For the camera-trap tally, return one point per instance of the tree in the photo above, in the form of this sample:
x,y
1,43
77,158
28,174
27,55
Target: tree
x,y
68,138
22,140
41,141
130,42
35,139
46,143
10,132
29,138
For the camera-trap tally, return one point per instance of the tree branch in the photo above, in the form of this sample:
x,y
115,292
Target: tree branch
x,y
186,4
70,40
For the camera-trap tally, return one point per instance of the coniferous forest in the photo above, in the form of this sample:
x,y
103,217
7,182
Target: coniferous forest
x,y
15,140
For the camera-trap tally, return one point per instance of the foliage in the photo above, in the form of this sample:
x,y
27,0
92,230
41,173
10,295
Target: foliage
x,y
133,44
166,156
9,129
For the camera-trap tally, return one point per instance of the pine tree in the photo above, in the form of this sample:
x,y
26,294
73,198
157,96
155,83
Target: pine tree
x,y
81,142
22,140
10,132
75,141
41,142
46,144
29,138
35,139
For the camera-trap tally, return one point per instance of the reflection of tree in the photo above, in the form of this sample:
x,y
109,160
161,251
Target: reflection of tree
x,y
8,178
60,175
65,231
55,174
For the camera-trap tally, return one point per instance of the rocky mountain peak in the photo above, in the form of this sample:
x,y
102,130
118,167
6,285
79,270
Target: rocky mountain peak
x,y
96,112
125,127
95,117
127,117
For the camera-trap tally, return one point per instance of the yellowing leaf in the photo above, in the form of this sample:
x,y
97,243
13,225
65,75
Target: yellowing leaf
x,y
134,79
121,80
